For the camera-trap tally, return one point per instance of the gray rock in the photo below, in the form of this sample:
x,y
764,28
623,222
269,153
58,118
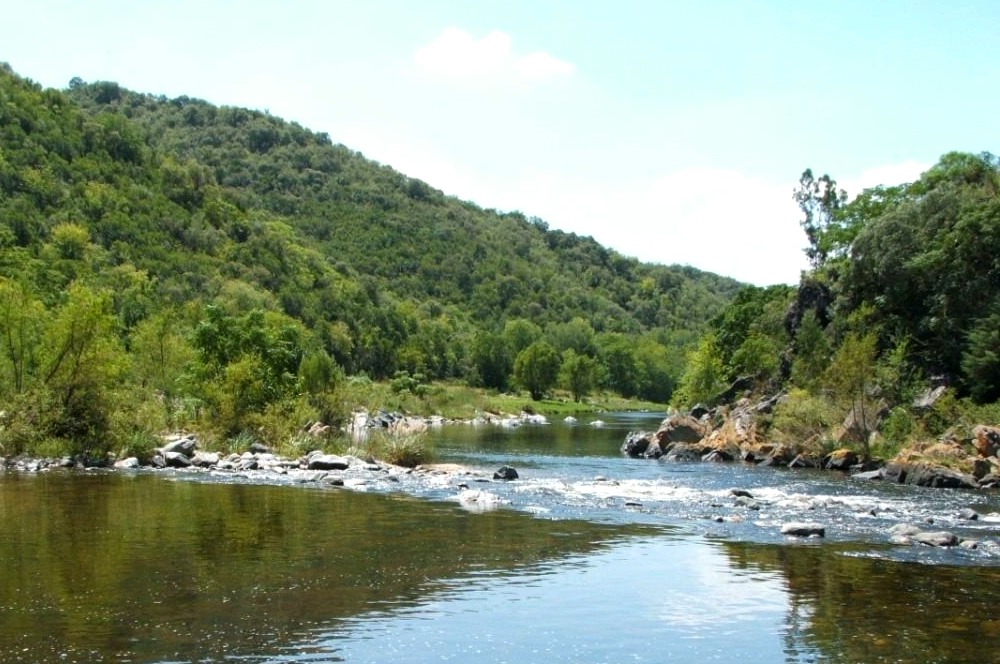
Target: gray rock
x,y
904,529
505,473
803,530
749,503
131,463
636,443
205,459
328,462
869,475
969,514
741,493
185,446
802,461
176,460
717,456
936,538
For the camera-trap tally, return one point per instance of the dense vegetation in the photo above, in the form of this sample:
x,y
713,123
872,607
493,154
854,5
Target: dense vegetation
x,y
166,262
903,295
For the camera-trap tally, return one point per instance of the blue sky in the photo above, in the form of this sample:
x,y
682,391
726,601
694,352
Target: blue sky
x,y
670,131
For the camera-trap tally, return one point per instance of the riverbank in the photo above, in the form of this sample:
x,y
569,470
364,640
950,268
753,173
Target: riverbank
x,y
738,433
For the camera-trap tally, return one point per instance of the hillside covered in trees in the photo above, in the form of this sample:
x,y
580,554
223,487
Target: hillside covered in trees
x,y
893,337
167,261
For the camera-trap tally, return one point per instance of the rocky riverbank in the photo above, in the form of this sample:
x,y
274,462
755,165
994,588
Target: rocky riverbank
x,y
735,433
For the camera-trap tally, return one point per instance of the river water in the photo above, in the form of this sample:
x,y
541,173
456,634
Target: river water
x,y
588,557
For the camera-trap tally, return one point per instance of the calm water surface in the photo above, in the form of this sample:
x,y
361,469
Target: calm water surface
x,y
590,558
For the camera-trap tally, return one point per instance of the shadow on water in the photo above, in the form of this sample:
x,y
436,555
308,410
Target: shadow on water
x,y
106,567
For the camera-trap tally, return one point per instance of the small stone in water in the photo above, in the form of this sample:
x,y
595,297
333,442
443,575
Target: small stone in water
x,y
803,530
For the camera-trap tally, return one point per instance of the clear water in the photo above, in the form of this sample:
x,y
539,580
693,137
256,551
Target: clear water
x,y
589,557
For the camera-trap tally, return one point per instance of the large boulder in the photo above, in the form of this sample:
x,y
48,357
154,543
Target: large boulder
x,y
327,462
505,473
680,428
928,476
637,443
185,446
987,440
841,459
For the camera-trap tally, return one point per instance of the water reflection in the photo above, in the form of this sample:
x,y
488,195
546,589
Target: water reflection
x,y
852,606
105,567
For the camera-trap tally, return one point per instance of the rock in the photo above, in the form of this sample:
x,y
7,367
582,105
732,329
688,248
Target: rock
x,y
699,411
131,463
904,530
327,462
681,429
741,493
969,544
686,452
969,514
869,475
157,461
927,400
205,459
841,460
989,481
717,456
505,473
636,443
176,460
928,476
803,530
749,503
247,463
986,440
802,461
569,419
259,448
185,446
936,538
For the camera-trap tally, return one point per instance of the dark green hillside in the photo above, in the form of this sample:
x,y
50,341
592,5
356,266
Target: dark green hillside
x,y
165,262
417,243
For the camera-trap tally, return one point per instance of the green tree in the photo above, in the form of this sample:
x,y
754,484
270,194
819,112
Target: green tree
x,y
579,374
21,328
820,201
703,380
851,377
812,353
981,361
492,360
536,368
81,366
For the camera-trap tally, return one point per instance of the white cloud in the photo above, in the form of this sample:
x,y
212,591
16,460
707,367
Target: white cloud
x,y
457,55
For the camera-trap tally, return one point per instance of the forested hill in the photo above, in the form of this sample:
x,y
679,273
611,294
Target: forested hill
x,y
162,248
416,243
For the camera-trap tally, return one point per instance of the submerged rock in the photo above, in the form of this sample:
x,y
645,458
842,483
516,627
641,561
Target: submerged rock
x,y
803,530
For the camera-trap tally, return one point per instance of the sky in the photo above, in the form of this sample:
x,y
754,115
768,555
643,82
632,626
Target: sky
x,y
674,132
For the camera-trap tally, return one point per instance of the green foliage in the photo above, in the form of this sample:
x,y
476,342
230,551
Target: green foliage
x,y
981,359
704,377
578,373
208,266
536,368
805,419
812,353
820,202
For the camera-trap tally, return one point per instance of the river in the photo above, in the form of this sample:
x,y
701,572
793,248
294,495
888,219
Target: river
x,y
588,557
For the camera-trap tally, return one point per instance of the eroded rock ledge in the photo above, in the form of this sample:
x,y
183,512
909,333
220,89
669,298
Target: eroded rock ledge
x,y
736,433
